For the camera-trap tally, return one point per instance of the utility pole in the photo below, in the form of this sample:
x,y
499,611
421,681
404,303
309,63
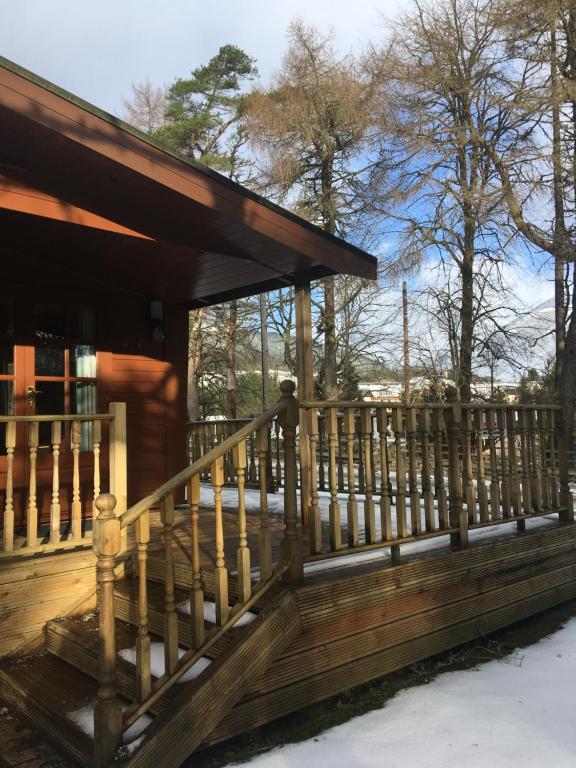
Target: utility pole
x,y
265,355
406,350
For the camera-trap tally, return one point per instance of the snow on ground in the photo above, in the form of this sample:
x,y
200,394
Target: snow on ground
x,y
157,661
517,711
210,613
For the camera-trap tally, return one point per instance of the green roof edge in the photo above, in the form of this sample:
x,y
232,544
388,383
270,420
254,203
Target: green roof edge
x,y
126,127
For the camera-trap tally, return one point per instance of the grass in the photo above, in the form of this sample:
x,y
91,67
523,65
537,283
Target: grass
x,y
309,722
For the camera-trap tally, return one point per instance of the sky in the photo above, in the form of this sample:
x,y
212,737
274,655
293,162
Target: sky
x,y
97,48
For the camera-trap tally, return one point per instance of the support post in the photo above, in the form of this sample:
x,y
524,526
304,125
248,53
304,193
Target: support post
x,y
291,546
118,461
305,377
108,710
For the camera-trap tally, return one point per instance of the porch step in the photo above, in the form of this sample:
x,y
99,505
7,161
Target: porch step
x,y
126,610
183,580
201,704
44,690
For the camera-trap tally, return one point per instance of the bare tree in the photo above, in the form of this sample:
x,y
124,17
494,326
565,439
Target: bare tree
x,y
144,109
444,100
539,177
311,130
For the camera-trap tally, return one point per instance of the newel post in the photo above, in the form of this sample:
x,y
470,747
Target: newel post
x,y
108,710
118,461
457,515
564,427
291,546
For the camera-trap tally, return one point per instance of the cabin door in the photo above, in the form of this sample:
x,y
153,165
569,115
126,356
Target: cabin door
x,y
48,366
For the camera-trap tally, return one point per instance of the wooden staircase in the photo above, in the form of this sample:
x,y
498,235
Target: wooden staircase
x,y
179,637
57,689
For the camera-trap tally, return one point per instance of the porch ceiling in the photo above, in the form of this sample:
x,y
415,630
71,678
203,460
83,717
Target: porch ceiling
x,y
195,236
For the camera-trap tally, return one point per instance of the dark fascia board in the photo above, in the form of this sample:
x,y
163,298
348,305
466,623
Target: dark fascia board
x,y
218,177
301,278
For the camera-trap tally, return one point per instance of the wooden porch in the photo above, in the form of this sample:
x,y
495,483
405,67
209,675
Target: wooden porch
x,y
220,607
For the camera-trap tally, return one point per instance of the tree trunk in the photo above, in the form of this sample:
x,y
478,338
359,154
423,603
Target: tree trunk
x,y
194,361
466,329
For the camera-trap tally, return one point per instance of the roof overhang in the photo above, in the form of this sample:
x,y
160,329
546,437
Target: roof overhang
x,y
146,218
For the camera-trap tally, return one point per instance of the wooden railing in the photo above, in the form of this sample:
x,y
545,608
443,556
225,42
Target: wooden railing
x,y
55,462
204,435
229,604
393,474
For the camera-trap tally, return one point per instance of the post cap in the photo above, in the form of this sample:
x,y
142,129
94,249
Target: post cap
x,y
106,503
287,387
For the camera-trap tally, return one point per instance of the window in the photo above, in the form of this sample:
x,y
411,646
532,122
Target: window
x,y
65,365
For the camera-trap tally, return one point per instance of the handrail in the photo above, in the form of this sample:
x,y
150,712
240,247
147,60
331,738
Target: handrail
x,y
60,417
172,485
398,404
215,422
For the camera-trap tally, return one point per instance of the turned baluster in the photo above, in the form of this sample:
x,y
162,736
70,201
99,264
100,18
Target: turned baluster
x,y
96,443
427,493
506,491
321,472
415,518
544,466
220,573
534,467
467,466
495,512
196,592
401,523
75,437
278,461
457,513
143,669
352,504
564,433
315,522
525,472
361,488
55,504
439,485
515,490
482,490
291,546
552,438
340,440
252,470
243,553
385,501
8,529
32,532
170,616
265,539
331,422
108,709
369,508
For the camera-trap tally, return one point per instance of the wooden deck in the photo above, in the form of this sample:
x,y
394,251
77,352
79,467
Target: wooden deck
x,y
218,616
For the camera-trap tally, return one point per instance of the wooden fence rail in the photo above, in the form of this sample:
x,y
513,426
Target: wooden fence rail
x,y
53,474
231,598
404,473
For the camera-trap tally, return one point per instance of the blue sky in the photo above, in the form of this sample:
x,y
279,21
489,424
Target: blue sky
x,y
98,48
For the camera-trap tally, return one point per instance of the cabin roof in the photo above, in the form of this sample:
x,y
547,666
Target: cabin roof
x,y
144,217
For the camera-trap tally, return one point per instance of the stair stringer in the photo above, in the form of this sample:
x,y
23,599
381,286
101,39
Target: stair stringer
x,y
202,704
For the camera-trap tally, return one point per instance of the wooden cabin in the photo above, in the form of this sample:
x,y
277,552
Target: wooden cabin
x,y
150,607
